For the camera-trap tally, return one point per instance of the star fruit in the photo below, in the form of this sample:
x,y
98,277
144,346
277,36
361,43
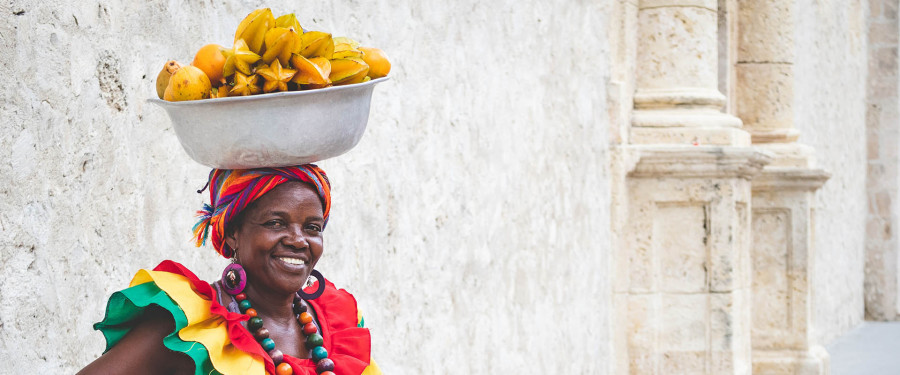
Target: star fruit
x,y
276,77
313,71
239,58
245,85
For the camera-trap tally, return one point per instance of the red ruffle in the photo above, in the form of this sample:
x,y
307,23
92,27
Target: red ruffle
x,y
347,345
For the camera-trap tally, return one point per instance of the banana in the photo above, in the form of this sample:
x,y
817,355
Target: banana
x,y
239,58
162,79
244,85
309,72
254,27
279,44
275,76
317,44
348,70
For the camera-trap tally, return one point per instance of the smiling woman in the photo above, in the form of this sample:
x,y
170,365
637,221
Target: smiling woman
x,y
259,318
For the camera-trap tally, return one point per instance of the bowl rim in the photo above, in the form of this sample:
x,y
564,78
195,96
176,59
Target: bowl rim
x,y
251,98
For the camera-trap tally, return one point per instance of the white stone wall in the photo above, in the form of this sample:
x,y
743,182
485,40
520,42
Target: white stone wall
x,y
471,222
830,71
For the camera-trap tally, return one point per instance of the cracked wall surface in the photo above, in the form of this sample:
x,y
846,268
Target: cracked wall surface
x,y
474,209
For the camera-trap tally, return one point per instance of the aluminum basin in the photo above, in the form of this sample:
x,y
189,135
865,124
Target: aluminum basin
x,y
272,130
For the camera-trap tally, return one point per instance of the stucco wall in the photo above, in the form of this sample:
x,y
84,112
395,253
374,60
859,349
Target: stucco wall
x,y
471,222
830,73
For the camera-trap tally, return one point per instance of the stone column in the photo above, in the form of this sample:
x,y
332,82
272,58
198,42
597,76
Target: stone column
x,y
681,212
882,284
677,100
783,194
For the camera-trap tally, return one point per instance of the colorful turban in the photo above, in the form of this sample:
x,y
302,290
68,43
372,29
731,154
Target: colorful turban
x,y
232,190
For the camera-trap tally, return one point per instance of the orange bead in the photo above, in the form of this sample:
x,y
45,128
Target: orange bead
x,y
251,312
327,373
284,369
305,318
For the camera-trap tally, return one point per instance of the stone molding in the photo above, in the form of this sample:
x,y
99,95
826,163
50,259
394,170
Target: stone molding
x,y
815,361
694,161
700,118
781,178
774,136
706,4
694,97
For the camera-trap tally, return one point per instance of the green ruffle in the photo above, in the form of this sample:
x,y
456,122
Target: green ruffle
x,y
125,309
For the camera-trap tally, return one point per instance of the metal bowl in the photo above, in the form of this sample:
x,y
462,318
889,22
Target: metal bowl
x,y
272,130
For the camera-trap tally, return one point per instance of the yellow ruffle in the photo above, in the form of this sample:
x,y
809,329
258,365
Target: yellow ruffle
x,y
372,368
203,327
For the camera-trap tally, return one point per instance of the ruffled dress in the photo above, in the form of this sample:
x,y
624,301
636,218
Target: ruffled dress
x,y
214,338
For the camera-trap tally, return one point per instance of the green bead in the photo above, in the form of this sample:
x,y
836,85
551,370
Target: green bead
x,y
244,305
267,344
314,340
319,353
255,323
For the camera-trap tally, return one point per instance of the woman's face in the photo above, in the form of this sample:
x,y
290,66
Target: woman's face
x,y
279,238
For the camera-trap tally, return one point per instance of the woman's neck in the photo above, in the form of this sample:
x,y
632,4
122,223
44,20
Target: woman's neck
x,y
270,303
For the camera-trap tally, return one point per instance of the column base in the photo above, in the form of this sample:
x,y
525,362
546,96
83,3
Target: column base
x,y
791,362
687,127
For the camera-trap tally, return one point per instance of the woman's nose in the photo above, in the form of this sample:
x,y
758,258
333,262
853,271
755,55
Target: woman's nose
x,y
295,238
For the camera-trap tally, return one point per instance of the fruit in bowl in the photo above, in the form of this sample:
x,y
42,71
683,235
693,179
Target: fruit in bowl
x,y
271,55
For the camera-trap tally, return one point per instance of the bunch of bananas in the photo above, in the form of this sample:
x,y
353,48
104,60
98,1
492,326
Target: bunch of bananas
x,y
269,55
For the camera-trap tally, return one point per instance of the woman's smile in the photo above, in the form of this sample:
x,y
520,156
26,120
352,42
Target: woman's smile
x,y
293,264
279,238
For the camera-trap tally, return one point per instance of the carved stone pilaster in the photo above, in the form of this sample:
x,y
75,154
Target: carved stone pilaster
x,y
682,271
783,211
783,194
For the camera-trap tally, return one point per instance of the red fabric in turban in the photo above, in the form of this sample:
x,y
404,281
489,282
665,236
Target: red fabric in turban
x,y
232,190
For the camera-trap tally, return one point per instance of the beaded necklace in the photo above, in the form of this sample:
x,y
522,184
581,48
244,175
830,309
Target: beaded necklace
x,y
314,341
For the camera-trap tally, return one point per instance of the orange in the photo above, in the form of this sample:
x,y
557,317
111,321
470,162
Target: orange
x,y
379,66
211,61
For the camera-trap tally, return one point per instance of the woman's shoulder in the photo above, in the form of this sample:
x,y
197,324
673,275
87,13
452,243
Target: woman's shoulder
x,y
198,319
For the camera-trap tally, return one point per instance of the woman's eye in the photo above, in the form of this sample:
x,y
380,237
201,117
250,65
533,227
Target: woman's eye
x,y
314,227
273,224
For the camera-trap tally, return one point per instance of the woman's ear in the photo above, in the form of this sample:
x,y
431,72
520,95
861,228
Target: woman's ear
x,y
231,239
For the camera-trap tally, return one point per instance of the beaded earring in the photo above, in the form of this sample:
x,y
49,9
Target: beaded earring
x,y
234,278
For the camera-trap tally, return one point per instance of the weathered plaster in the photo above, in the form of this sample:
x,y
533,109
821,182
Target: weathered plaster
x,y
474,210
830,71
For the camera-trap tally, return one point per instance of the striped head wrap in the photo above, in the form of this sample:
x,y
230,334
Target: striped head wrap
x,y
232,190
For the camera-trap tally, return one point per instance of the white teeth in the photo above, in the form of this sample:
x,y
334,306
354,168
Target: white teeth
x,y
291,260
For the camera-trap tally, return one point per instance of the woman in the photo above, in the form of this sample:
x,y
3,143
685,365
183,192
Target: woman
x,y
257,319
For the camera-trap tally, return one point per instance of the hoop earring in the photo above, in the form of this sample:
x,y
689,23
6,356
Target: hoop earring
x,y
319,289
234,278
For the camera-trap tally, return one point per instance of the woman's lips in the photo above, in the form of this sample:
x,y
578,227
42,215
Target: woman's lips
x,y
292,263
